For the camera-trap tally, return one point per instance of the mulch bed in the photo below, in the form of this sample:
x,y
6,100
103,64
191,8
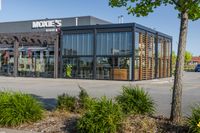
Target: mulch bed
x,y
54,122
65,122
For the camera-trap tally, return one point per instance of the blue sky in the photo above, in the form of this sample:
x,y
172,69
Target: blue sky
x,y
164,19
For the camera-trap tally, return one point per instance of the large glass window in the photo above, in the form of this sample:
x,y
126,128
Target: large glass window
x,y
114,43
117,68
137,68
122,68
77,44
36,62
104,68
6,61
82,67
137,43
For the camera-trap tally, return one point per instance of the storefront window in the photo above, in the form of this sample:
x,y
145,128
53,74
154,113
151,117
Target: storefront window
x,y
82,67
137,39
119,43
117,68
6,61
77,44
36,62
104,67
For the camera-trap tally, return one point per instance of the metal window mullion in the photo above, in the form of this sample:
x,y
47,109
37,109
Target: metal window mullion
x,y
63,41
94,53
133,53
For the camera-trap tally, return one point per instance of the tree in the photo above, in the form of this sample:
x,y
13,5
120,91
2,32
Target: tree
x,y
188,9
188,57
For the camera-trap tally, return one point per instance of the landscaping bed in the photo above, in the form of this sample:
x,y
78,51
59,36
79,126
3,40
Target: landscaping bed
x,y
53,122
132,111
65,122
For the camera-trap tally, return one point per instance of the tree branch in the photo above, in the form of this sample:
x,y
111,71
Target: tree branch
x,y
176,3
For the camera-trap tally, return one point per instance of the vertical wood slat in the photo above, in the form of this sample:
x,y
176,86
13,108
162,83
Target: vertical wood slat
x,y
141,52
152,59
156,57
16,53
150,41
143,57
147,55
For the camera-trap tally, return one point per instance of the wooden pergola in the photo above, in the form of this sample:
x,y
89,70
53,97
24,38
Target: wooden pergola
x,y
31,39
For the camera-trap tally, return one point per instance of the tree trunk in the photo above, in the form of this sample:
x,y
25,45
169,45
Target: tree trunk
x,y
176,113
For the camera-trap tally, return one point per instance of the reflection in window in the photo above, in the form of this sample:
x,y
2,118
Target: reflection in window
x,y
137,68
103,68
137,39
122,68
159,48
6,62
117,68
78,44
82,67
36,62
119,43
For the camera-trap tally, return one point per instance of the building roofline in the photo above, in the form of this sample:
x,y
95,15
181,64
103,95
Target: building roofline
x,y
121,25
100,19
18,21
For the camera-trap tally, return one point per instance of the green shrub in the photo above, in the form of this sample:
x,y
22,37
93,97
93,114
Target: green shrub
x,y
135,100
74,104
68,71
83,93
84,99
66,102
17,108
104,116
194,120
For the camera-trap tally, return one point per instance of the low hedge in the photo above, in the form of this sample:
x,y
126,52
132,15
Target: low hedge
x,y
17,108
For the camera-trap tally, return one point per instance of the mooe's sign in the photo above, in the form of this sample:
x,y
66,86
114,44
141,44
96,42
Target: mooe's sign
x,y
46,23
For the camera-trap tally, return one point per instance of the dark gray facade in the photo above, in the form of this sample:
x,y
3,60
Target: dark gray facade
x,y
84,48
126,51
26,26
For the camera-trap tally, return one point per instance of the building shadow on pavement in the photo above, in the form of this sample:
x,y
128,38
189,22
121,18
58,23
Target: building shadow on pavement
x,y
48,103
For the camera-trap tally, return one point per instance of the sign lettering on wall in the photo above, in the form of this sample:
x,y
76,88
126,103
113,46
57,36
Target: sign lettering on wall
x,y
46,23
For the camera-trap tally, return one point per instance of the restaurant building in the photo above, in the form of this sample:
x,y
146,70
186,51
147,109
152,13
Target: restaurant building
x,y
93,48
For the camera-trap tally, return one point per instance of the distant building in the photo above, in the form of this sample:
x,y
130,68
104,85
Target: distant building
x,y
195,60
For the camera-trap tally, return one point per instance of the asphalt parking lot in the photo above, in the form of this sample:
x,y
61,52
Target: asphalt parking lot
x,y
160,89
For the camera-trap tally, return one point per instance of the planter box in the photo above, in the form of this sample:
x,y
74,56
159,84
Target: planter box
x,y
120,74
